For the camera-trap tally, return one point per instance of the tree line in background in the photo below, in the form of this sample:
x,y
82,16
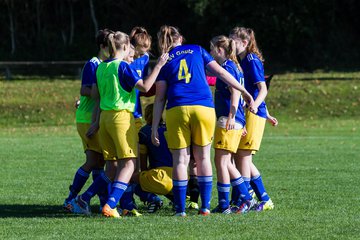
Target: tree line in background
x,y
293,35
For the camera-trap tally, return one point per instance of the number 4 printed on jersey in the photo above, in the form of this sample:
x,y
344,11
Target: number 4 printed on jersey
x,y
184,71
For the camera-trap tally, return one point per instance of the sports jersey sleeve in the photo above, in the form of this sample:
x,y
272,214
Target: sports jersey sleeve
x,y
256,71
206,56
128,76
89,74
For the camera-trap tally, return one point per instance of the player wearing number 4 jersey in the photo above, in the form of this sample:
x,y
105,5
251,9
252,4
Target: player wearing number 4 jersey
x,y
190,115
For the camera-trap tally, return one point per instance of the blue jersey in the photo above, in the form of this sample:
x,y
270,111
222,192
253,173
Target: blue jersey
x,y
88,74
158,156
223,94
141,66
88,78
184,74
253,74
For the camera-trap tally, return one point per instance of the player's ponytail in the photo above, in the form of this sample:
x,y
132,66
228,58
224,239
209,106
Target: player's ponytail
x,y
248,35
116,42
229,47
102,37
167,36
140,37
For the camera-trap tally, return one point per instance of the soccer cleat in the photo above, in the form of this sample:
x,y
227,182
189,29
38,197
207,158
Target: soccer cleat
x,y
154,206
254,201
79,206
193,205
107,211
130,213
218,209
180,214
244,207
265,205
67,206
204,212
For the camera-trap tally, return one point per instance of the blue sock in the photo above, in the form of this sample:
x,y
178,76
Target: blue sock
x,y
79,181
103,194
126,201
96,172
145,196
259,189
247,183
179,191
223,195
240,190
118,188
97,186
205,186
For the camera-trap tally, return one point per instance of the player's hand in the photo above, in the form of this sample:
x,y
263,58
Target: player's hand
x,y
163,59
155,137
77,103
273,121
243,134
230,123
94,127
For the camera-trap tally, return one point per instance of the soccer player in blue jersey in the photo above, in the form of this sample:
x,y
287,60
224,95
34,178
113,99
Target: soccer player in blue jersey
x,y
115,86
141,41
156,165
94,160
228,131
190,114
256,115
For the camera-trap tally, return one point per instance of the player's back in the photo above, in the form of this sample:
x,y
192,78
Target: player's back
x,y
185,77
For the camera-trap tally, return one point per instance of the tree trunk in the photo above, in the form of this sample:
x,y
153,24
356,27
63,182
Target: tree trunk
x,y
72,24
93,17
10,5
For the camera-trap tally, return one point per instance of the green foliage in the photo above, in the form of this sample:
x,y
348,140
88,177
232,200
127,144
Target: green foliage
x,y
293,35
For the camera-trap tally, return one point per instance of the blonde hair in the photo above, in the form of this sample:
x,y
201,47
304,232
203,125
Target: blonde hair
x,y
249,35
167,36
140,37
228,45
116,41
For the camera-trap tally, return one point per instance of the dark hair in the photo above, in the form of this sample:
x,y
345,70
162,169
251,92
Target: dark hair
x,y
167,35
102,37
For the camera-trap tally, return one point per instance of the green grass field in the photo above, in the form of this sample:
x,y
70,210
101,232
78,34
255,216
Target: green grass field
x,y
309,164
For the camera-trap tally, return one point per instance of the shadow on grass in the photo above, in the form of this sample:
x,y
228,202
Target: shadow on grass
x,y
36,211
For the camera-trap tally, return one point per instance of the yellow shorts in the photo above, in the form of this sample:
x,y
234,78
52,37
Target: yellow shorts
x,y
227,139
138,123
157,180
255,126
190,124
118,135
88,143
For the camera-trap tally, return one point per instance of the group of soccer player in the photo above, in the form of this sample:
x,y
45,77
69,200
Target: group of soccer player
x,y
154,159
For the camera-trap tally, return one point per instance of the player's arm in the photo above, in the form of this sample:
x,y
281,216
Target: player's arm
x,y
95,118
272,120
159,104
145,85
225,76
261,97
234,104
